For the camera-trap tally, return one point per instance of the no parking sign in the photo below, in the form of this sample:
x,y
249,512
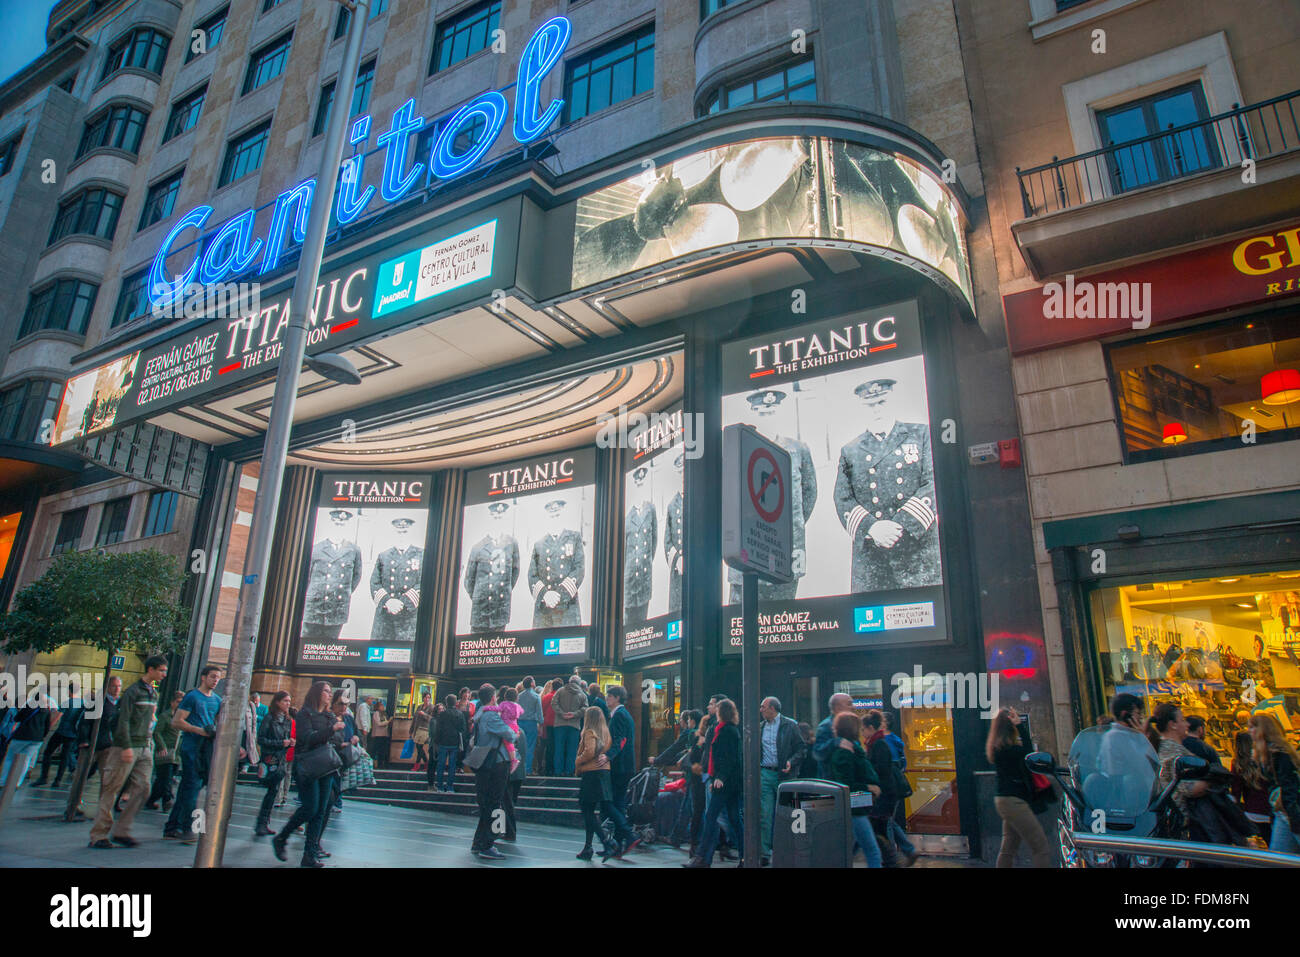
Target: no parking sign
x,y
757,530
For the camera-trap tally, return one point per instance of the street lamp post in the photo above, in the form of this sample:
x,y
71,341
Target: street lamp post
x,y
225,753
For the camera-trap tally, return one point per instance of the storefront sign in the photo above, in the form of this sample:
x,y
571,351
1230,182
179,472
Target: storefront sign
x,y
653,553
847,399
362,593
439,268
233,251
524,595
777,188
1256,270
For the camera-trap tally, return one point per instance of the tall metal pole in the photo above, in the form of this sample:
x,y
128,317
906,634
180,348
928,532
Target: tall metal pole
x,y
749,718
239,674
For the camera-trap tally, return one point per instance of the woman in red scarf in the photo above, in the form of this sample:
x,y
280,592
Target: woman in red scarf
x,y
726,781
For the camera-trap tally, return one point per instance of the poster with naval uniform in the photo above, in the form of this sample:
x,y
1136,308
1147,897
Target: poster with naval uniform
x,y
362,593
653,558
847,398
524,578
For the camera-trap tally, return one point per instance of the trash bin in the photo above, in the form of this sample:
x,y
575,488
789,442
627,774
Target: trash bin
x,y
824,837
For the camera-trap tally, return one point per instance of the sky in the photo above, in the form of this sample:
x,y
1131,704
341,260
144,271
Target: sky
x,y
22,33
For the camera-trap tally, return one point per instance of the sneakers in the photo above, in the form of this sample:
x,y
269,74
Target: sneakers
x,y
696,862
277,846
491,854
173,835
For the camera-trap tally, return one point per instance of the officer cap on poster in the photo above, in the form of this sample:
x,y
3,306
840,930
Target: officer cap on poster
x,y
640,473
340,514
403,522
877,389
765,399
497,508
554,505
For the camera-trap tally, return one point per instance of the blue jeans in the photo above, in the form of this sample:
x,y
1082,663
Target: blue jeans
x,y
864,835
1283,840
899,837
29,748
529,728
193,769
719,802
768,782
566,750
446,765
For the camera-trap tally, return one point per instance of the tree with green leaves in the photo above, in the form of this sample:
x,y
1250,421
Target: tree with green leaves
x,y
112,601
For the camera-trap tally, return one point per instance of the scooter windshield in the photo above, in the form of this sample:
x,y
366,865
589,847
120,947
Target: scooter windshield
x,y
1115,770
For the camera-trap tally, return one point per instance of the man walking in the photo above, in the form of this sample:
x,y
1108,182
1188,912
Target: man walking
x,y
622,765
196,718
781,759
130,759
569,703
531,720
64,740
825,740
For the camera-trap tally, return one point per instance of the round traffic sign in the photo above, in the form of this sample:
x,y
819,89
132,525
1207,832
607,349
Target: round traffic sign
x,y
762,480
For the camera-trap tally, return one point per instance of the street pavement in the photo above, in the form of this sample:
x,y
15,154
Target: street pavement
x,y
33,834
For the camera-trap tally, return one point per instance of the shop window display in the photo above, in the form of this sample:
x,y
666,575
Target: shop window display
x,y
1221,648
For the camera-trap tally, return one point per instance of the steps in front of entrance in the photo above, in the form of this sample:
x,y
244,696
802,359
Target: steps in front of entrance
x,y
542,800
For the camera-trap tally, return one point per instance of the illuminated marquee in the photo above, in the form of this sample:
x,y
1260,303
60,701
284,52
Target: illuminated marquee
x,y
234,250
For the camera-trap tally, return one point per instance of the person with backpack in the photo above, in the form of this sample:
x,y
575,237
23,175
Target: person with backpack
x,y
490,763
898,822
196,718
26,734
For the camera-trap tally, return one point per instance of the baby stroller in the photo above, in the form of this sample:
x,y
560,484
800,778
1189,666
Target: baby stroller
x,y
642,791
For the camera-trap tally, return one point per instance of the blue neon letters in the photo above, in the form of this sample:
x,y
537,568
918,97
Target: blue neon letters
x,y
233,249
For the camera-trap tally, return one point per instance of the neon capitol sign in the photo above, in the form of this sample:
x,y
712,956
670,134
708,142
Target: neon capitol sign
x,y
233,250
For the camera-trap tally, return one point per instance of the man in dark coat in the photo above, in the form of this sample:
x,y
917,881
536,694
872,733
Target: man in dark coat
x,y
491,573
555,572
640,541
885,498
334,575
673,540
775,420
622,764
781,756
395,587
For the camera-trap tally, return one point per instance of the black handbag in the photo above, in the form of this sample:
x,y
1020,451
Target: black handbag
x,y
349,754
318,762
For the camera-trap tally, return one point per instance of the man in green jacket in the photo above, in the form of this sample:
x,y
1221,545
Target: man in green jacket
x,y
130,759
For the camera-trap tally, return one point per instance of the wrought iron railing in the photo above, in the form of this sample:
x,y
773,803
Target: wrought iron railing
x,y
1243,133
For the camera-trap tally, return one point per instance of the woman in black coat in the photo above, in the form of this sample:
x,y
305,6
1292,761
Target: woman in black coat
x,y
274,738
726,781
316,729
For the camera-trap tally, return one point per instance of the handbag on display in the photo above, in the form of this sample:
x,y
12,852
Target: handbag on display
x,y
318,762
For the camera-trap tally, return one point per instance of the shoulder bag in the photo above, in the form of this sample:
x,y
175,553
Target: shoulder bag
x,y
318,762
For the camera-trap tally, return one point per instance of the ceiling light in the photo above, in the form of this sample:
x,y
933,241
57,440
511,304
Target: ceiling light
x,y
1244,604
1280,387
1228,581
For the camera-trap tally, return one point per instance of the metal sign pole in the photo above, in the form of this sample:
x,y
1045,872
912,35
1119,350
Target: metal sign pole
x,y
215,822
749,698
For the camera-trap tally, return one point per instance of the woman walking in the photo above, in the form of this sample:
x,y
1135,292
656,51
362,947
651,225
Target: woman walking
x,y
420,731
592,768
449,732
1275,754
849,766
274,738
381,733
314,745
1250,782
726,781
1007,745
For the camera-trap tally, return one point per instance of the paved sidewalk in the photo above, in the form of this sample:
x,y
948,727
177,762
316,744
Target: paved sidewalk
x,y
33,834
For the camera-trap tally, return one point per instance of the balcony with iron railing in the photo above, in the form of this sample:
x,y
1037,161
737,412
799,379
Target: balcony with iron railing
x,y
1212,177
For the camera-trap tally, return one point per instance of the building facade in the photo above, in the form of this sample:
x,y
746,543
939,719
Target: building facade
x,y
1141,166
570,243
